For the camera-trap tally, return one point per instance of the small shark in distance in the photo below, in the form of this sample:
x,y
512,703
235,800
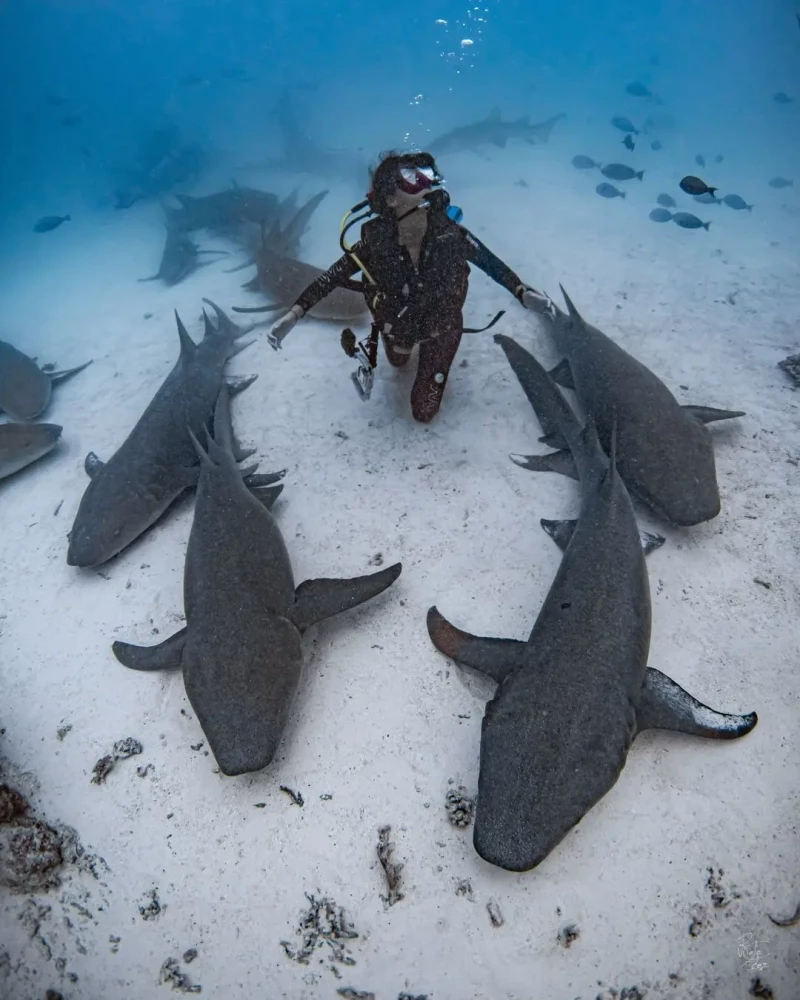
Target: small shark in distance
x,y
492,131
301,155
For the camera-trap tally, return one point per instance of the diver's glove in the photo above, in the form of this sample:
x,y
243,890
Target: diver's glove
x,y
539,302
284,326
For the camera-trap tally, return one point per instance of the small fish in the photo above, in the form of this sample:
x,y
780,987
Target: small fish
x,y
609,191
49,222
700,160
71,120
521,183
735,201
719,158
638,89
656,145
661,215
781,98
693,185
628,143
619,172
583,162
666,200
54,101
780,182
707,199
688,221
85,151
624,124
192,80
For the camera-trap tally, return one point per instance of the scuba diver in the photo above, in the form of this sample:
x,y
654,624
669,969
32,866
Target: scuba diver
x,y
414,257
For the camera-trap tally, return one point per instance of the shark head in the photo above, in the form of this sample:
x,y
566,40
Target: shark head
x,y
21,444
109,518
680,486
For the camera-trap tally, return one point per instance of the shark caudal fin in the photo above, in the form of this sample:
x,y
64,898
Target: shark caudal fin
x,y
226,328
224,451
556,416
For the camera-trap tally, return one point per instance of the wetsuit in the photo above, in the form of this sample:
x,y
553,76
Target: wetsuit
x,y
416,305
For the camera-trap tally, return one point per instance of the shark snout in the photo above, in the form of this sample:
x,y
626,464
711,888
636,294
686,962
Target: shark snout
x,y
86,548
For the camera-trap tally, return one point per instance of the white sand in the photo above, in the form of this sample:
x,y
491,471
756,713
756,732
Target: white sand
x,y
383,721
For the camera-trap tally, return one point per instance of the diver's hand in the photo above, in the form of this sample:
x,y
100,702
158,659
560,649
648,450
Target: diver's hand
x,y
539,302
284,326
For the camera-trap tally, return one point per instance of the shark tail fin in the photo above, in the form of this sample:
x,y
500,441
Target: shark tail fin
x,y
541,132
221,446
554,412
223,428
226,329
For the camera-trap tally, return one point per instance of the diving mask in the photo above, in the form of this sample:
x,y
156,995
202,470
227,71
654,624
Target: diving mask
x,y
414,180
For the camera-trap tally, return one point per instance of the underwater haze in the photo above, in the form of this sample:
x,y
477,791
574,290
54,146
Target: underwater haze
x,y
276,803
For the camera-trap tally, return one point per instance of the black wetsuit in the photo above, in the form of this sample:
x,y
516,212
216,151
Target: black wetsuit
x,y
421,304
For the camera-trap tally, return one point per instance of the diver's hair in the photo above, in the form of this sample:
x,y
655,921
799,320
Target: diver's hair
x,y
383,177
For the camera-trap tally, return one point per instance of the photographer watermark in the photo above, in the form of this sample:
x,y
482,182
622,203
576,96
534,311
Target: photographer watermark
x,y
750,953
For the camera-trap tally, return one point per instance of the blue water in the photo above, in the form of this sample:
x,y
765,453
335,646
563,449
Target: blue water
x,y
369,76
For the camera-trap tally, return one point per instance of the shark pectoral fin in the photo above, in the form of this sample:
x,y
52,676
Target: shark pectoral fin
x,y
707,414
239,384
557,461
494,657
562,374
561,532
316,600
264,478
267,494
92,465
68,373
665,705
167,655
651,541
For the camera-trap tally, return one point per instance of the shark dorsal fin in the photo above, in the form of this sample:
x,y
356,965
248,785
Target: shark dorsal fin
x,y
187,344
573,312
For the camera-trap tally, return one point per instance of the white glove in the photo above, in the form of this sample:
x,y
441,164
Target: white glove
x,y
539,302
283,327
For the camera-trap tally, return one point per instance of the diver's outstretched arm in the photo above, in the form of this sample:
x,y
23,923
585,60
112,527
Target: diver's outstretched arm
x,y
344,268
482,257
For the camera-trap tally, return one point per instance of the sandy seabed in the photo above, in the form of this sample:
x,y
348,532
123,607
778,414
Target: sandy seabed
x,y
666,884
